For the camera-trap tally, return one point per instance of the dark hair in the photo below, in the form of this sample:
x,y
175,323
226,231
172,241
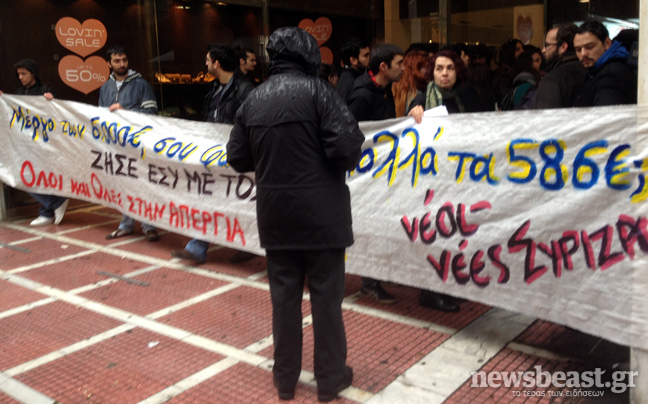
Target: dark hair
x,y
507,52
426,47
524,63
383,53
462,47
326,71
460,67
115,50
565,34
352,49
242,53
481,50
627,37
595,28
224,54
480,77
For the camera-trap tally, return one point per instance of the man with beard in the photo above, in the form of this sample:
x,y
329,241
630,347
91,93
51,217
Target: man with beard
x,y
560,86
355,57
247,64
610,80
228,92
126,89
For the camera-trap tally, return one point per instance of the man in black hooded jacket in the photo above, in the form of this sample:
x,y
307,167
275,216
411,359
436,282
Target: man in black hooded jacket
x,y
226,95
52,207
297,136
609,81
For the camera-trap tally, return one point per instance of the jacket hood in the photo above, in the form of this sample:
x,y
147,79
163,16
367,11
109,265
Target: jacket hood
x,y
525,77
294,46
29,64
615,51
132,74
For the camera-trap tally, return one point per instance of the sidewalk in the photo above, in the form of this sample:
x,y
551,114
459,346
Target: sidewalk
x,y
89,320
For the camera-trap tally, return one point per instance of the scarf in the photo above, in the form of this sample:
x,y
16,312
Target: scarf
x,y
435,96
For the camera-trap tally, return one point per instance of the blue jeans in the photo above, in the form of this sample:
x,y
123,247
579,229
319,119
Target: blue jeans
x,y
128,224
198,248
49,203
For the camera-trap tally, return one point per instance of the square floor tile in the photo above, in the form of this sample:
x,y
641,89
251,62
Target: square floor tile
x,y
12,296
125,369
239,317
44,329
166,287
81,271
39,250
244,384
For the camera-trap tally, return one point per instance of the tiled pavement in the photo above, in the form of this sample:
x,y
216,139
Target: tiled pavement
x,y
88,320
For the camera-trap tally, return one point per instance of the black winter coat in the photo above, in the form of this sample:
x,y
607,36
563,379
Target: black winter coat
x,y
345,83
230,102
613,83
560,87
370,102
299,138
37,89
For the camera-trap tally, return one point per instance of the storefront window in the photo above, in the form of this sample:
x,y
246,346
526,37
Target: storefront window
x,y
166,41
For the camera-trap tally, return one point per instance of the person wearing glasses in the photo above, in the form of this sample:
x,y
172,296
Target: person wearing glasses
x,y
565,74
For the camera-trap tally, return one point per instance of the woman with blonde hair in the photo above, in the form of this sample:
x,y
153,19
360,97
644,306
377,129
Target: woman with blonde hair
x,y
412,82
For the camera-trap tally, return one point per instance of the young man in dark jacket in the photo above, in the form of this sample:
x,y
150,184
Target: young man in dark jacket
x,y
355,57
560,86
52,207
372,100
228,92
609,81
126,89
300,146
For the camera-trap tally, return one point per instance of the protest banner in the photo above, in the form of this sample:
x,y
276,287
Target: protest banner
x,y
539,212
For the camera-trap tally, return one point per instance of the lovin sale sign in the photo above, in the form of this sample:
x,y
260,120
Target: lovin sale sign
x,y
84,75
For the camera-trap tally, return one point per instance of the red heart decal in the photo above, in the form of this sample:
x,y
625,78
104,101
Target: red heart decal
x,y
327,55
84,75
524,29
320,29
82,39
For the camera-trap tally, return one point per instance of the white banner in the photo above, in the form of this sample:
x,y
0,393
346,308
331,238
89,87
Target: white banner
x,y
539,212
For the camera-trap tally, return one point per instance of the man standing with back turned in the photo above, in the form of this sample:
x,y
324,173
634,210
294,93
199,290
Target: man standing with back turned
x,y
126,89
300,146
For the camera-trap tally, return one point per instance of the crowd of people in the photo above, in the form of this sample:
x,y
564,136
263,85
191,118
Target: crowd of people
x,y
577,67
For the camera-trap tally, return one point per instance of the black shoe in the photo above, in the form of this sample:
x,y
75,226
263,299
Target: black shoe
x,y
151,235
284,393
377,293
242,256
326,396
186,255
437,301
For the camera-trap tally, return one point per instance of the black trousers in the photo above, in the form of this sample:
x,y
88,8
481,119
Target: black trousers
x,y
324,269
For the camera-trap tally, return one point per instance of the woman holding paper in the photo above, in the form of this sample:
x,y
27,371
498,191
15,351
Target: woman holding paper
x,y
448,85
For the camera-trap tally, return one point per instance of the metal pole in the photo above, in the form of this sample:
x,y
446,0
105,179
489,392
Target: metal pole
x,y
3,206
639,357
444,23
263,41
